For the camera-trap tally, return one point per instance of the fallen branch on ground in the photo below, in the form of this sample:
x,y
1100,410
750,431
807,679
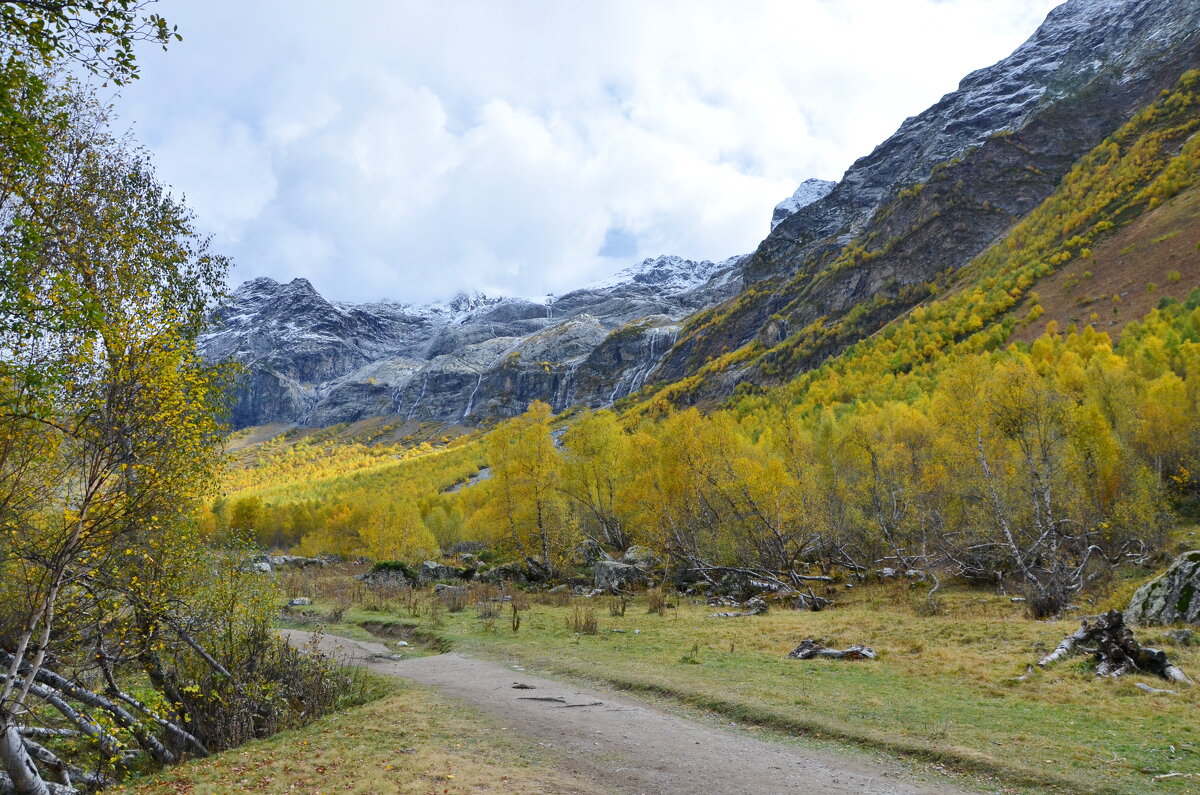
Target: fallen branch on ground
x,y
809,648
754,607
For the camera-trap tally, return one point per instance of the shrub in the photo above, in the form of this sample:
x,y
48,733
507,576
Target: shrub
x,y
583,621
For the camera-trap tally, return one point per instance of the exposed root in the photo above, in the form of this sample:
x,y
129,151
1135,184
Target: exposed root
x,y
1115,650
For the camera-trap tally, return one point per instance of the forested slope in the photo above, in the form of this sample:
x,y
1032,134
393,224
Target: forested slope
x,y
933,444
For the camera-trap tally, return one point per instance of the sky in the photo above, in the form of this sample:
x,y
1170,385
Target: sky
x,y
388,149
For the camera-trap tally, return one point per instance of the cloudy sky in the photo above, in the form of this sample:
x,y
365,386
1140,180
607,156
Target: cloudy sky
x,y
408,150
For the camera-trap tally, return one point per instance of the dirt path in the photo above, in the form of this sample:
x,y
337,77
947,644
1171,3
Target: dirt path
x,y
622,744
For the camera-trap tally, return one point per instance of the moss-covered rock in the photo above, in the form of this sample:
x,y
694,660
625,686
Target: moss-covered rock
x,y
1171,598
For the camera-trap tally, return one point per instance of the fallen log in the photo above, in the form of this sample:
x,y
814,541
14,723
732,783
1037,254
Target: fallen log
x,y
809,648
753,606
1115,650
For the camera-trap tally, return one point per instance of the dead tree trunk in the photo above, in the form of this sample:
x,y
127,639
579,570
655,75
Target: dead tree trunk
x,y
1115,650
809,648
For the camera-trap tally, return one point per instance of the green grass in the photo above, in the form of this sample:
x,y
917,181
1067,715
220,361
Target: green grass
x,y
412,740
942,690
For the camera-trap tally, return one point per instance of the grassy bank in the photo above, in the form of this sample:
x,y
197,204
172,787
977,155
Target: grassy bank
x,y
409,741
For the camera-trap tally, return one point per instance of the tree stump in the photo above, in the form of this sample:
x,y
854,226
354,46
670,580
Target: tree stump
x,y
1115,649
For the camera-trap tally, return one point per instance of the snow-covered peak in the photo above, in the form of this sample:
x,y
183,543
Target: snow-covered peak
x,y
810,190
667,275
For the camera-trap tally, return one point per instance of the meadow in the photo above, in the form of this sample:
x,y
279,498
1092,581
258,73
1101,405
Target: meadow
x,y
945,689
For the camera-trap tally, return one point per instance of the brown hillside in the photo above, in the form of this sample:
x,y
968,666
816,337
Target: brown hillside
x,y
1156,257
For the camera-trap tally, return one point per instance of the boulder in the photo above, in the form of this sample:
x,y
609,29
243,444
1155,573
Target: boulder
x,y
611,575
1181,637
449,590
470,560
641,556
508,572
390,573
432,571
589,552
1171,598
467,548
300,601
294,562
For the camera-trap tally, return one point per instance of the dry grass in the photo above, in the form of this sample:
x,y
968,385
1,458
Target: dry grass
x,y
410,742
944,687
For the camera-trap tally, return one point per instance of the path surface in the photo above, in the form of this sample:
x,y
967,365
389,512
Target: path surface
x,y
623,744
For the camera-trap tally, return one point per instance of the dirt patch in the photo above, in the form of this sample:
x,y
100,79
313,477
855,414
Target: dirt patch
x,y
1127,275
398,630
622,744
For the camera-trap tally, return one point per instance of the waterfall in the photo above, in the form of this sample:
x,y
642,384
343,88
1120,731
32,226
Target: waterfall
x,y
424,383
637,378
471,400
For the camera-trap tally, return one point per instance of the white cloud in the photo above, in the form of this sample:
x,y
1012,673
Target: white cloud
x,y
408,150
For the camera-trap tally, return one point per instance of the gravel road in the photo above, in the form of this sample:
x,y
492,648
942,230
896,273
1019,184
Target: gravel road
x,y
625,745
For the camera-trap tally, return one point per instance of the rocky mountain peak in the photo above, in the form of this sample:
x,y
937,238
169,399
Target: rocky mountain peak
x,y
949,182
810,190
1110,48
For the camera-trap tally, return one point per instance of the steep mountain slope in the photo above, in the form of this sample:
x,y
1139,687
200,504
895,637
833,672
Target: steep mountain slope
x,y
839,264
939,191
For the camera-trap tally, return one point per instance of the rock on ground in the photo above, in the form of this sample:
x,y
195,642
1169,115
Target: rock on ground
x,y
1172,598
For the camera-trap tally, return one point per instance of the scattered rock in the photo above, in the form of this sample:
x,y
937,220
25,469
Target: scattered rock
x,y
294,562
1181,637
449,590
1173,597
588,552
431,571
641,556
508,572
469,560
390,573
467,548
611,575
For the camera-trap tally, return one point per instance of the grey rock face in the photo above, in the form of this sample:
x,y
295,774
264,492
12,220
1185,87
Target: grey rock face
x,y
614,575
1120,51
984,156
810,190
1172,598
317,363
432,571
588,552
643,557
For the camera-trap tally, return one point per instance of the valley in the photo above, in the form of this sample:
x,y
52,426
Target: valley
x,y
903,498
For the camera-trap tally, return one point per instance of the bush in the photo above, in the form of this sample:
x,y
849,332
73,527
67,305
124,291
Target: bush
x,y
277,687
583,621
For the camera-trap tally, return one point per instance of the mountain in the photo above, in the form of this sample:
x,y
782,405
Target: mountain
x,y
315,362
810,190
943,188
841,261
